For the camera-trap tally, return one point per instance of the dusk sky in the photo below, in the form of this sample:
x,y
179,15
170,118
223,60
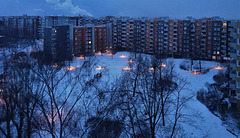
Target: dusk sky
x,y
153,8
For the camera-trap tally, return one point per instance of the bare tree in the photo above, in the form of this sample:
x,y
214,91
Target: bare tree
x,y
64,90
145,96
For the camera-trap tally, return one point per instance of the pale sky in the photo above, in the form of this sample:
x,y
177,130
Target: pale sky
x,y
229,9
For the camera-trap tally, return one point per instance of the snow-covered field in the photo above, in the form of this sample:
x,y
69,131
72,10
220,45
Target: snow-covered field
x,y
202,122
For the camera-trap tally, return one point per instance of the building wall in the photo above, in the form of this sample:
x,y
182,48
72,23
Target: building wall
x,y
22,27
235,64
89,39
100,39
83,40
58,43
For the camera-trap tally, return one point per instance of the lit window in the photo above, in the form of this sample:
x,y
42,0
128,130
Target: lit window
x,y
224,24
213,57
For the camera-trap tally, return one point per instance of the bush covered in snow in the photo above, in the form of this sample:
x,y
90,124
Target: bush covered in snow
x,y
189,65
216,99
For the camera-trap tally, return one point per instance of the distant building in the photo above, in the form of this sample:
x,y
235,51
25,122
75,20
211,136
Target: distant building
x,y
58,43
22,27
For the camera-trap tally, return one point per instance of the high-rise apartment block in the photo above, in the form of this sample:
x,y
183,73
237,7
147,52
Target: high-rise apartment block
x,y
22,27
58,43
234,84
89,39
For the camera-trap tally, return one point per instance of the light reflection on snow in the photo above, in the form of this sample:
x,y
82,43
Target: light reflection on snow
x,y
151,69
81,57
71,68
122,56
126,68
99,68
163,65
218,68
195,72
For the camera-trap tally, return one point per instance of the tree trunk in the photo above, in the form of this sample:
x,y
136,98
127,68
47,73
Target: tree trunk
x,y
8,119
28,124
162,110
8,128
152,132
200,65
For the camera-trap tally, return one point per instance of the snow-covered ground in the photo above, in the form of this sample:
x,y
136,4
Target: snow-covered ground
x,y
202,123
208,124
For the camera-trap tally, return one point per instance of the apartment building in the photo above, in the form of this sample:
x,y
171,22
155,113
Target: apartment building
x,y
235,65
22,27
58,43
89,39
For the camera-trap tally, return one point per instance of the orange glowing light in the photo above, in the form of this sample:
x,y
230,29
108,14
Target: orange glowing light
x,y
218,68
122,56
126,68
130,61
55,65
99,53
81,57
71,68
99,68
0,90
13,53
195,72
110,54
151,68
163,65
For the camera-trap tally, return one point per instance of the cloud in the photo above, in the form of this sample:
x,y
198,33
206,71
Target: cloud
x,y
67,6
53,1
39,10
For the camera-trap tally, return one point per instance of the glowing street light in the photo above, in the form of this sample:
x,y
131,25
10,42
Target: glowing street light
x,y
99,53
130,61
81,57
110,54
152,69
195,72
163,65
218,68
71,68
126,68
122,56
55,65
99,68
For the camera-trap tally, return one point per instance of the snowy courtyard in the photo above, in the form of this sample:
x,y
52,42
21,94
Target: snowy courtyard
x,y
203,123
